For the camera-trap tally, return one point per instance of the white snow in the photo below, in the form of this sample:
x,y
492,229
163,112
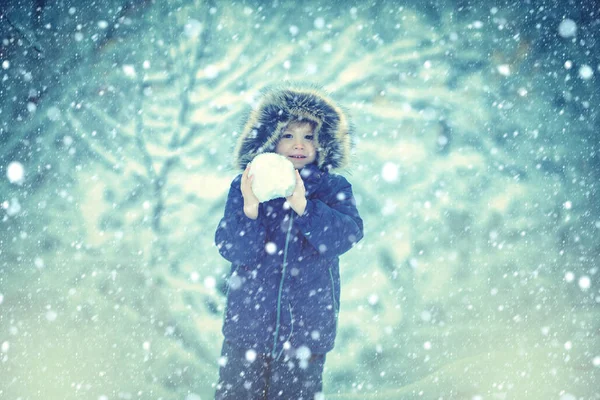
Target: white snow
x,y
567,28
568,205
211,72
1,298
585,282
569,276
53,113
15,172
5,347
6,64
586,72
193,28
102,24
567,396
222,361
596,361
210,282
129,70
39,262
273,176
319,23
235,282
271,248
312,68
373,299
12,208
251,355
389,172
303,353
51,315
294,30
504,69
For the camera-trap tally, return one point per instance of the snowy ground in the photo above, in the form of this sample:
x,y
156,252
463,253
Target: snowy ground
x,y
476,171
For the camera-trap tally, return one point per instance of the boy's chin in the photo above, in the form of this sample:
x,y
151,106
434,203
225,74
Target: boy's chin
x,y
299,164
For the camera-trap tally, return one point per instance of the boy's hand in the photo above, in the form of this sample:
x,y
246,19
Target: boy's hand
x,y
297,200
250,200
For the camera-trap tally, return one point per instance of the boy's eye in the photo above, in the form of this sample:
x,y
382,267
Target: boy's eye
x,y
286,135
309,137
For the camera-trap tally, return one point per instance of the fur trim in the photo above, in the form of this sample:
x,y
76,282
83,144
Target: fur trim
x,y
282,104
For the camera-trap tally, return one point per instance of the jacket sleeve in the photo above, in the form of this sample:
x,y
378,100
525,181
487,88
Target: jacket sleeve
x,y
332,225
239,239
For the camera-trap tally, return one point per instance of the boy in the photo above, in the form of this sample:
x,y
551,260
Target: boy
x,y
284,289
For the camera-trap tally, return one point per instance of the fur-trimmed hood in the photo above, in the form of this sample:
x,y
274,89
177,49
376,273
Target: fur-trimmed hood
x,y
279,106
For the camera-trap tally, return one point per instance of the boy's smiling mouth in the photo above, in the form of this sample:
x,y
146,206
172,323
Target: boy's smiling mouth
x,y
297,156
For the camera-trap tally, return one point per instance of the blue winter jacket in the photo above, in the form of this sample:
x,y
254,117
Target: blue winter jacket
x,y
270,302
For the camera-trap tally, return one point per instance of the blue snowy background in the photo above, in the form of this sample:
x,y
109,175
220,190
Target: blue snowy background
x,y
476,170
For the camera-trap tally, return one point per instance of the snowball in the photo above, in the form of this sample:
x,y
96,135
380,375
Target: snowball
x,y
567,28
274,176
5,64
15,172
5,347
586,72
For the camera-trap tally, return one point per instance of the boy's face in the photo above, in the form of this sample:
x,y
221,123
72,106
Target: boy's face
x,y
297,144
